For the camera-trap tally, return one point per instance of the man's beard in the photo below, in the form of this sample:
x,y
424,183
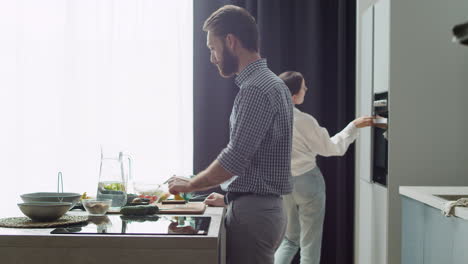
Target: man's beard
x,y
230,64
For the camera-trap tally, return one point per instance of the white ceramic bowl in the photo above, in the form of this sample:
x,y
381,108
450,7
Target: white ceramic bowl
x,y
51,197
97,207
44,211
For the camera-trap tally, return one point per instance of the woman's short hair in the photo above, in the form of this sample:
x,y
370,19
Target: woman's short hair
x,y
234,20
293,80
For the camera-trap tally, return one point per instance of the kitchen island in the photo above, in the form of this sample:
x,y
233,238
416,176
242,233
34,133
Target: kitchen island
x,y
38,245
429,237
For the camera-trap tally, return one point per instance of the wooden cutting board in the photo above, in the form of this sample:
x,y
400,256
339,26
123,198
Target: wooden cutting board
x,y
188,208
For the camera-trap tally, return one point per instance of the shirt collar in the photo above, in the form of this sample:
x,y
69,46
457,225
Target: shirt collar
x,y
247,71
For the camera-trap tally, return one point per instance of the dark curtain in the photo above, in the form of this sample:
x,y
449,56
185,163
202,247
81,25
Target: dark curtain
x,y
316,38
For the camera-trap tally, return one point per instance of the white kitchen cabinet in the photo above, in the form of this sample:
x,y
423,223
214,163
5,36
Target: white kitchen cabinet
x,y
372,223
381,45
364,232
371,208
405,48
379,223
364,95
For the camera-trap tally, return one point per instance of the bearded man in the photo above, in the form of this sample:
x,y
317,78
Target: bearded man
x,y
255,166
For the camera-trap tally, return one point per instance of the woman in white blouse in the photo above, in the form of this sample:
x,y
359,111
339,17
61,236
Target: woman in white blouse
x,y
305,206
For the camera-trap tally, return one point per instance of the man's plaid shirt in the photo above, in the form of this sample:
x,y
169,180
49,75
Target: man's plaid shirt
x,y
261,125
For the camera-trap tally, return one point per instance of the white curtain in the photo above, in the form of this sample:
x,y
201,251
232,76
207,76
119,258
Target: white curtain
x,y
75,74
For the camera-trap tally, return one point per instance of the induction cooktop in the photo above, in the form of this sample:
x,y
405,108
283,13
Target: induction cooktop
x,y
141,225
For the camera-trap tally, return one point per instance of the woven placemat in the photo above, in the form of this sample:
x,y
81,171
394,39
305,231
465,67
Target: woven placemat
x,y
25,222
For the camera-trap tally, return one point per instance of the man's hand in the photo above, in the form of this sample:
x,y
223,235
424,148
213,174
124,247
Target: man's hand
x,y
179,184
215,199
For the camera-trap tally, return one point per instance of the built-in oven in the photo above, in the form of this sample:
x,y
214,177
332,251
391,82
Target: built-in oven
x,y
380,139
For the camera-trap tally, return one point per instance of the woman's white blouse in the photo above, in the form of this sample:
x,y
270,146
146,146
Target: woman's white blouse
x,y
310,140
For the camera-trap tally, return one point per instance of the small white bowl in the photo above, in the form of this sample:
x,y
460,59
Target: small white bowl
x,y
96,207
44,211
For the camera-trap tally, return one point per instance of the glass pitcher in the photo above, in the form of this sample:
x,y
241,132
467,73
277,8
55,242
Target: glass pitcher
x,y
115,172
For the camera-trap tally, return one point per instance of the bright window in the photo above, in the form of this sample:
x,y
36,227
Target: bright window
x,y
80,73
